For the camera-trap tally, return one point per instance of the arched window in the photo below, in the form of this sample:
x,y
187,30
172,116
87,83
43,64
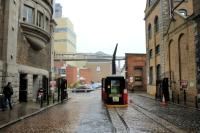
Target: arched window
x,y
151,75
149,31
158,72
183,12
156,24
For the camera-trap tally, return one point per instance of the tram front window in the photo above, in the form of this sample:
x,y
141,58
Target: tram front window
x,y
115,90
115,86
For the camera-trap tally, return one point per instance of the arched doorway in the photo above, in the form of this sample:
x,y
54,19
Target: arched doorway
x,y
183,57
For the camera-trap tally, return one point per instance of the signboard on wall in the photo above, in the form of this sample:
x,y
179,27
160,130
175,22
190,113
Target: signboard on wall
x,y
131,79
183,84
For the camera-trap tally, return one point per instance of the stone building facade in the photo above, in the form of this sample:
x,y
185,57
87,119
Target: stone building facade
x,y
25,46
99,69
171,25
135,65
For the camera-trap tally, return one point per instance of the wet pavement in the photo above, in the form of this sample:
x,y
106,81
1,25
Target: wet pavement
x,y
85,113
21,111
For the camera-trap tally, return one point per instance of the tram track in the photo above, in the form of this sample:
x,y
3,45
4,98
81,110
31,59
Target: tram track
x,y
114,130
158,120
123,121
117,121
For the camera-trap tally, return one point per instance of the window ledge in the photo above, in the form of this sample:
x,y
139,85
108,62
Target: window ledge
x,y
37,37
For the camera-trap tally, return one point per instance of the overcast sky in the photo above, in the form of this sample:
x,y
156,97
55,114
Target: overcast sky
x,y
100,24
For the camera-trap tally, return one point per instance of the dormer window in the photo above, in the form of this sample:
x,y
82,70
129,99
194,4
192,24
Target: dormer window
x,y
28,14
183,12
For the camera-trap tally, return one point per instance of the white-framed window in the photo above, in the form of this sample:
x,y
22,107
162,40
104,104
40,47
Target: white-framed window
x,y
98,69
183,12
28,14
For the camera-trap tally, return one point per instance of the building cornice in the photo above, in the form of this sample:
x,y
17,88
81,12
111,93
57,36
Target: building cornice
x,y
149,10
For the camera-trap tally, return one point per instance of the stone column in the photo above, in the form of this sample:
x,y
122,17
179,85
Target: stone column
x,y
52,26
10,36
196,7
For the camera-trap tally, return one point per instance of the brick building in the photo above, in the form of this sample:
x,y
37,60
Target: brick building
x,y
85,75
135,65
172,42
25,46
71,73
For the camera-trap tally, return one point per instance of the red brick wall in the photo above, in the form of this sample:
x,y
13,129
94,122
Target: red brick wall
x,y
132,61
71,73
86,73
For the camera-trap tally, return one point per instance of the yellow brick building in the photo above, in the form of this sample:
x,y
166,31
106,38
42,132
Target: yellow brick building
x,y
64,43
171,49
64,37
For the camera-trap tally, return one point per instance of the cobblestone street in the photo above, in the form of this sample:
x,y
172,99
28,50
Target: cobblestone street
x,y
187,119
85,113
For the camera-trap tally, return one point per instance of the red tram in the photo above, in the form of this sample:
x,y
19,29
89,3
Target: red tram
x,y
114,93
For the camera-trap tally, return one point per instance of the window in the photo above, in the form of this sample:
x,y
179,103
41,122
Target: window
x,y
47,24
183,12
98,69
61,30
149,31
158,72
151,2
62,71
138,68
40,19
138,78
28,14
150,53
156,24
157,49
150,75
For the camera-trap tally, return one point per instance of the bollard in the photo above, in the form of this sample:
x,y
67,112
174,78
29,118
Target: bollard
x,y
41,101
184,92
155,96
47,99
172,97
196,102
178,99
53,98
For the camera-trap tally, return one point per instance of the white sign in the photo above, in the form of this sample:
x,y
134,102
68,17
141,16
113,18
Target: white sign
x,y
131,79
